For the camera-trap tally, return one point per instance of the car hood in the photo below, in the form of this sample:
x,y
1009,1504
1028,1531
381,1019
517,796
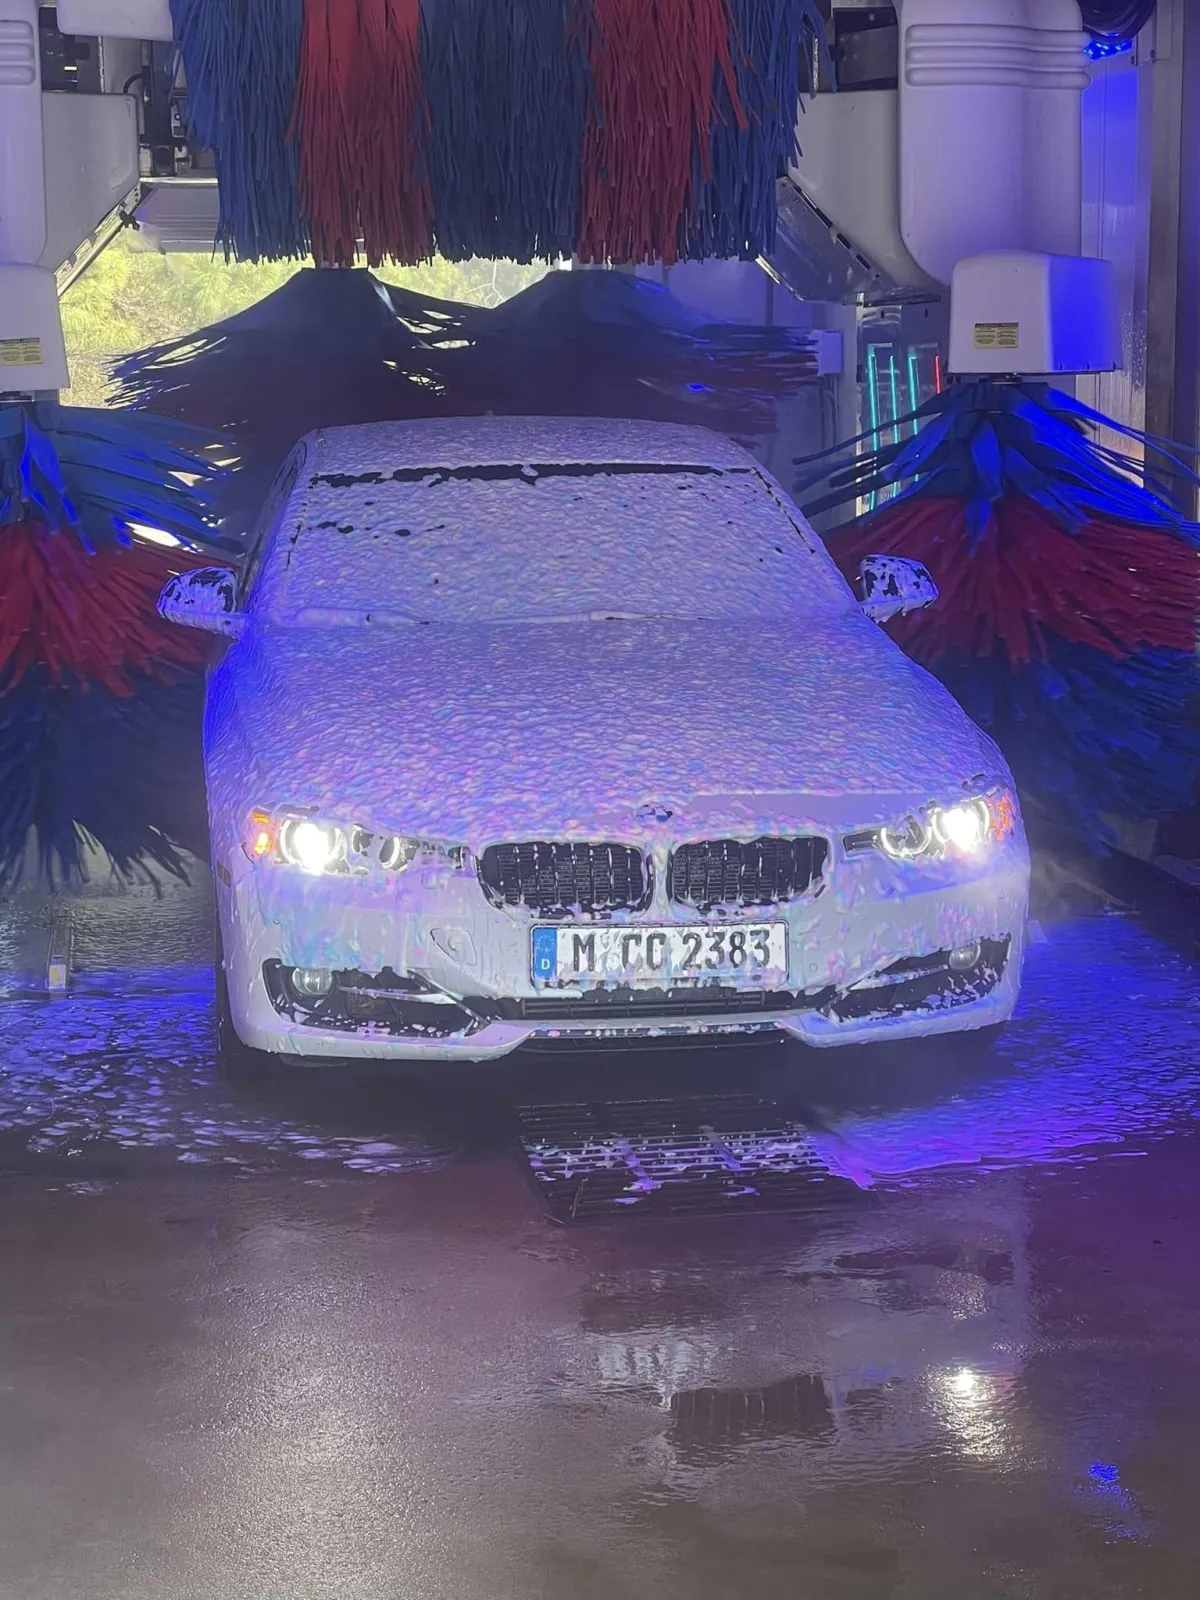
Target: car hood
x,y
473,734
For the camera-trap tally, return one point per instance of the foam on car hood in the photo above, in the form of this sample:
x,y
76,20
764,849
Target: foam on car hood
x,y
475,734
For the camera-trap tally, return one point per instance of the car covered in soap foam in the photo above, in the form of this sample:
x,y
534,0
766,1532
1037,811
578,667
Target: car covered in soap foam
x,y
530,728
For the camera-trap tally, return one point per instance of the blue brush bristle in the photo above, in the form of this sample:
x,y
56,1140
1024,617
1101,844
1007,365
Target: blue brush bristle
x,y
96,473
1089,736
506,89
80,765
733,212
983,439
242,63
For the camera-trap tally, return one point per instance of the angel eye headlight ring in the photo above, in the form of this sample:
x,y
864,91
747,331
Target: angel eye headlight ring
x,y
913,838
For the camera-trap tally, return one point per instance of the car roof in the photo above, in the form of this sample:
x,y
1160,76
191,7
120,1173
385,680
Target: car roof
x,y
518,441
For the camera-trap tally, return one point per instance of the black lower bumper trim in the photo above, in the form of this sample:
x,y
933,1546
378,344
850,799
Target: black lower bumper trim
x,y
938,988
624,1004
405,1007
408,1006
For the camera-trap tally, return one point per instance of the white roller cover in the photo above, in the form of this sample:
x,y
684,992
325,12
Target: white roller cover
x,y
1028,315
990,128
22,181
116,19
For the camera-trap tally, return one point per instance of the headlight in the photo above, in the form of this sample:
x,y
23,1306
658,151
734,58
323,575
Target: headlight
x,y
965,828
320,848
911,839
314,847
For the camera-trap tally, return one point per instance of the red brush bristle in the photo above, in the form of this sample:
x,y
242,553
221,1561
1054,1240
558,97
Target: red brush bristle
x,y
1113,586
323,122
89,618
654,66
393,196
358,117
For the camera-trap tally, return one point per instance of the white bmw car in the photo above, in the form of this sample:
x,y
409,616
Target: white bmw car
x,y
571,728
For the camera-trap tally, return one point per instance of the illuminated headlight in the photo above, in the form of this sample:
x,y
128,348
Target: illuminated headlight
x,y
314,847
965,828
322,848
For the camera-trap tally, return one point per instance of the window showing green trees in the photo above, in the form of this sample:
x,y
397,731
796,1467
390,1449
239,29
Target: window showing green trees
x,y
132,296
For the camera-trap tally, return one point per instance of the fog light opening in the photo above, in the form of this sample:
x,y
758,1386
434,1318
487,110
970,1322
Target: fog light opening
x,y
311,983
966,957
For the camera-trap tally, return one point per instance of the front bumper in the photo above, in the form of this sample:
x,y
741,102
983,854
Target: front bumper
x,y
432,971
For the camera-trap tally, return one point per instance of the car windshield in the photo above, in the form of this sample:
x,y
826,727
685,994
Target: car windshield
x,y
548,543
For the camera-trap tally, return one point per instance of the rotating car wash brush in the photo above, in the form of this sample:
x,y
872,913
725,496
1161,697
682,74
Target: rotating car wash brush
x,y
328,349
615,130
92,685
357,120
654,69
99,698
757,87
243,65
507,90
1070,589
690,123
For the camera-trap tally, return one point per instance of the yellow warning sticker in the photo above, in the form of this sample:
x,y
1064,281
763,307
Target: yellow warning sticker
x,y
997,335
20,352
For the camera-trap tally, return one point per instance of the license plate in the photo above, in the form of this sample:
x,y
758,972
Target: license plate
x,y
660,957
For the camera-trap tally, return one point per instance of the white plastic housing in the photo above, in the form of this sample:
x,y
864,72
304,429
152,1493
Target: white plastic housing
x,y
1020,313
91,162
990,128
848,168
22,182
117,19
33,356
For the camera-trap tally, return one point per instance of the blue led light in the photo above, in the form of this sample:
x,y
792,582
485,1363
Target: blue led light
x,y
1103,1472
1102,49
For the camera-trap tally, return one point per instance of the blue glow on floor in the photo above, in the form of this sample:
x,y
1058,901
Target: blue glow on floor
x,y
1101,1058
1102,1054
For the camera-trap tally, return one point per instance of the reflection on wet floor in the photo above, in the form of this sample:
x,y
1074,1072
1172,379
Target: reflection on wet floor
x,y
971,1375
708,1424
83,1080
1102,1054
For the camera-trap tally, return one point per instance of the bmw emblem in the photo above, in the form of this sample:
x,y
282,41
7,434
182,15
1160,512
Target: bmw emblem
x,y
655,813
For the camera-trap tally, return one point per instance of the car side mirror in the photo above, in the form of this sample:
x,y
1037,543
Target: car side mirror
x,y
892,586
204,598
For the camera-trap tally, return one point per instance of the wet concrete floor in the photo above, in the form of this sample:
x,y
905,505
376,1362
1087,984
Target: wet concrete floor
x,y
318,1338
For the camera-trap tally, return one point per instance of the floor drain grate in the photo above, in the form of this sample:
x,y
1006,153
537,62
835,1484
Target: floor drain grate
x,y
720,1154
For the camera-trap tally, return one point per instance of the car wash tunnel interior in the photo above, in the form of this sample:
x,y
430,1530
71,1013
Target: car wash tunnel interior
x,y
599,799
